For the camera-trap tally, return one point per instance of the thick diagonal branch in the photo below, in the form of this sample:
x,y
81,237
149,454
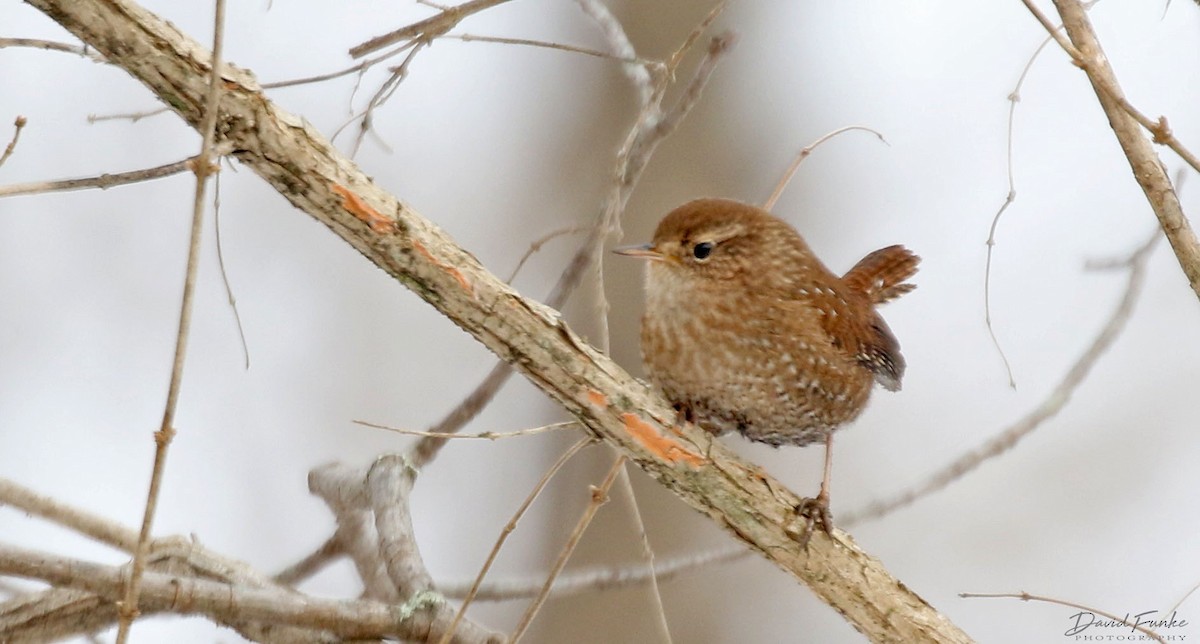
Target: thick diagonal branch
x,y
306,170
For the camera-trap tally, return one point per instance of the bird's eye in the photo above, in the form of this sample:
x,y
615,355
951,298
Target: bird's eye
x,y
702,250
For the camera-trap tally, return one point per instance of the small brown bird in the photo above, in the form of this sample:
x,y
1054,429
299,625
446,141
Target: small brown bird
x,y
745,329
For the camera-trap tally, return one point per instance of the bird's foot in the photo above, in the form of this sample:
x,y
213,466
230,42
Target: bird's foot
x,y
816,514
683,416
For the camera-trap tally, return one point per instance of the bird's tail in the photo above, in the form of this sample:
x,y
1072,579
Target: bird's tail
x,y
881,275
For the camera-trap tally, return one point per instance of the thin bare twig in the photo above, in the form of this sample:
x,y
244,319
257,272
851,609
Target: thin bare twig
x,y
328,552
426,29
599,497
359,68
92,525
1014,97
491,436
1025,597
381,96
132,117
1051,405
18,125
803,154
1176,605
104,181
51,45
414,37
598,578
237,317
525,42
427,448
204,165
536,246
648,558
509,528
1055,31
677,57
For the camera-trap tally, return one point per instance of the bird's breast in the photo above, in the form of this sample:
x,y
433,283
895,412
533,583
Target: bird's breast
x,y
743,360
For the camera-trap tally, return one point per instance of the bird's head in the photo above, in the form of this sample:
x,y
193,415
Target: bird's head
x,y
719,240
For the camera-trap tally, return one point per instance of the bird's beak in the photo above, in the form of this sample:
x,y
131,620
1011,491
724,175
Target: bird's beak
x,y
645,251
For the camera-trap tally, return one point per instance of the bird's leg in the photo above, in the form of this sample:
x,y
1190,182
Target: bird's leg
x,y
683,416
683,413
816,510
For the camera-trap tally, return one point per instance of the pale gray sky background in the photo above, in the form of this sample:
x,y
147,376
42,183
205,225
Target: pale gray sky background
x,y
500,144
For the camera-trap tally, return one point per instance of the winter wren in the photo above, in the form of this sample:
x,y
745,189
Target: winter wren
x,y
745,329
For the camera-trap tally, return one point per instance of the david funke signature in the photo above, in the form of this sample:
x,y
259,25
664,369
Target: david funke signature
x,y
1086,619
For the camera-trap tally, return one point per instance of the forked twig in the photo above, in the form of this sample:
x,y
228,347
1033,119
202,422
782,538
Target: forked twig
x,y
1127,124
381,96
508,529
599,496
1083,52
204,165
426,29
318,78
536,245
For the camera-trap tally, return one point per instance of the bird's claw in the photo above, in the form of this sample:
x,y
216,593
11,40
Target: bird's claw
x,y
816,514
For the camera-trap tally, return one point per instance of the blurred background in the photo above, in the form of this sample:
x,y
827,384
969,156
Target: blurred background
x,y
501,144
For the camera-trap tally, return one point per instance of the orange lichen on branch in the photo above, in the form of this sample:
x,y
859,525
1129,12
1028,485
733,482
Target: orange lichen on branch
x,y
457,274
597,399
660,446
359,208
